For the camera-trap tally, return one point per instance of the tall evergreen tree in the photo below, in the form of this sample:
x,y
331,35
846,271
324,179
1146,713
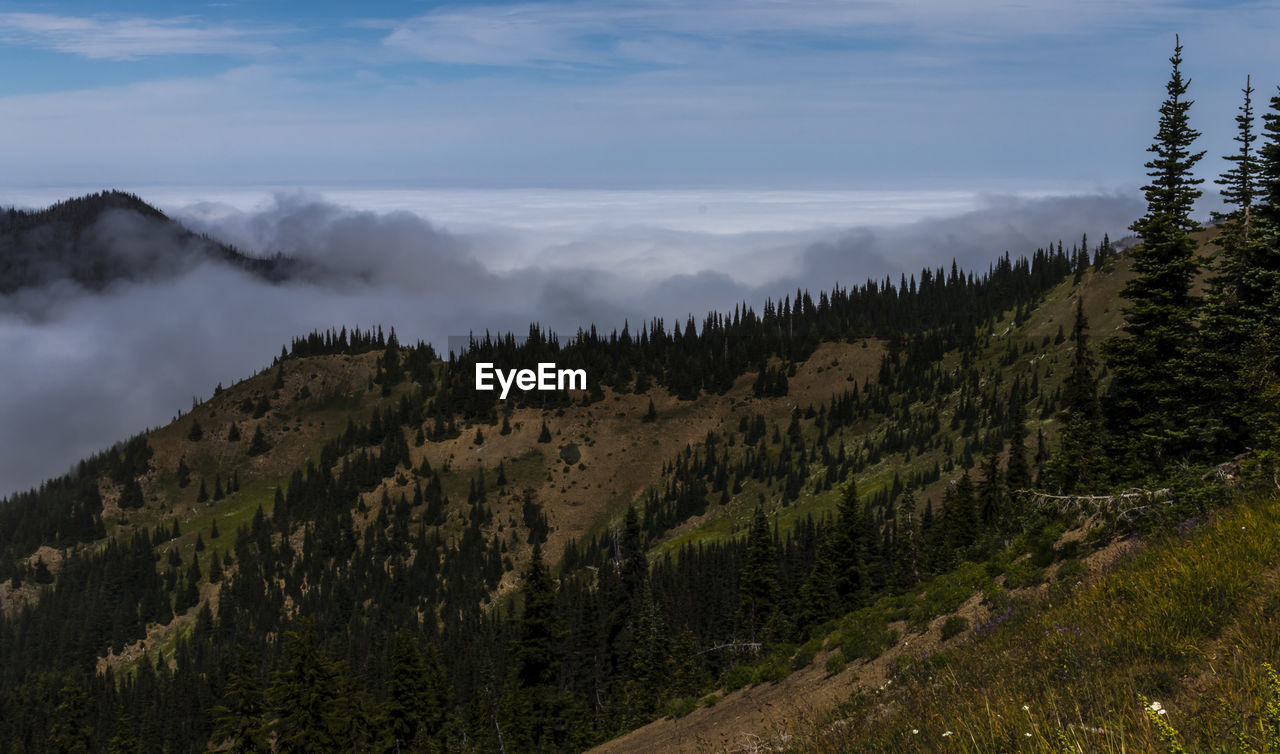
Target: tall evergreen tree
x,y
311,711
416,709
759,580
1234,305
1018,470
536,711
1150,402
239,721
1080,460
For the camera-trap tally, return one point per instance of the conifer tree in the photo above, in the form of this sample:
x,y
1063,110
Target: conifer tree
x,y
71,731
538,709
259,444
307,697
1234,308
183,473
545,434
1018,470
758,581
233,434
1080,460
416,706
196,432
1151,406
239,720
848,549
819,600
131,495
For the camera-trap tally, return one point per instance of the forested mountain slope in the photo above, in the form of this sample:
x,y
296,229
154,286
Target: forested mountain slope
x,y
99,239
360,496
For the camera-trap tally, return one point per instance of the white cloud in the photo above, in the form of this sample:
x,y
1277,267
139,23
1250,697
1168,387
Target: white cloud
x,y
103,38
663,32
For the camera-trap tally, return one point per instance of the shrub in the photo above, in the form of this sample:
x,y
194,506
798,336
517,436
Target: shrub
x,y
954,626
804,656
1023,574
866,635
681,706
739,676
1071,571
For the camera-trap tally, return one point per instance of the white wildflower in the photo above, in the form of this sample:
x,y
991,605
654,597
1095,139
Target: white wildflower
x,y
915,731
948,733
1028,735
1157,708
1025,708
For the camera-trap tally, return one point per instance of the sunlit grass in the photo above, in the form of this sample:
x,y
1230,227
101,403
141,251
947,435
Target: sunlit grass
x,y
1188,623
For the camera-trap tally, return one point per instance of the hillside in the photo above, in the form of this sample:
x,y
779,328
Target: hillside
x,y
99,239
740,526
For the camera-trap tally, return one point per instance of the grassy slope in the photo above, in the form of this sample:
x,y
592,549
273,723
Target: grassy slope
x,y
1187,620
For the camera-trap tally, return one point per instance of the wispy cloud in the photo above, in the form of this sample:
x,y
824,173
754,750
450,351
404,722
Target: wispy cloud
x,y
104,38
661,32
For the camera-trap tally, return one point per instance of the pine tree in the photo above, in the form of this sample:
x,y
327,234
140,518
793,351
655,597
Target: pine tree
x,y
545,434
196,432
71,731
307,696
1150,404
652,414
183,473
1080,460
819,600
759,579
239,720
259,444
1234,310
537,707
125,740
131,495
1018,470
203,495
233,434
416,706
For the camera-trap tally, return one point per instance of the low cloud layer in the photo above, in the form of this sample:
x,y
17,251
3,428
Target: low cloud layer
x,y
91,369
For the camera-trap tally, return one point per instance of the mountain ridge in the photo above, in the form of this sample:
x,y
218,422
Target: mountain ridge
x,y
103,238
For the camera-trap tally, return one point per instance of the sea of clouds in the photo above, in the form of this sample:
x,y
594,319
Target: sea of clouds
x,y
83,370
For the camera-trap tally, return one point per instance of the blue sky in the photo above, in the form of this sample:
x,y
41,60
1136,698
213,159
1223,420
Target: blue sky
x,y
758,94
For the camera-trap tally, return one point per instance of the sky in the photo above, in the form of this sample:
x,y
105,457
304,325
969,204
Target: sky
x,y
766,94
468,166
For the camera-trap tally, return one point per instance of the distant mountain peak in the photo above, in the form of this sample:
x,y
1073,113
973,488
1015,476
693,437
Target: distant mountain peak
x,y
102,238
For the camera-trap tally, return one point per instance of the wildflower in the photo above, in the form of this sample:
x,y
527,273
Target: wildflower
x,y
1026,708
915,731
948,733
1028,735
1157,708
